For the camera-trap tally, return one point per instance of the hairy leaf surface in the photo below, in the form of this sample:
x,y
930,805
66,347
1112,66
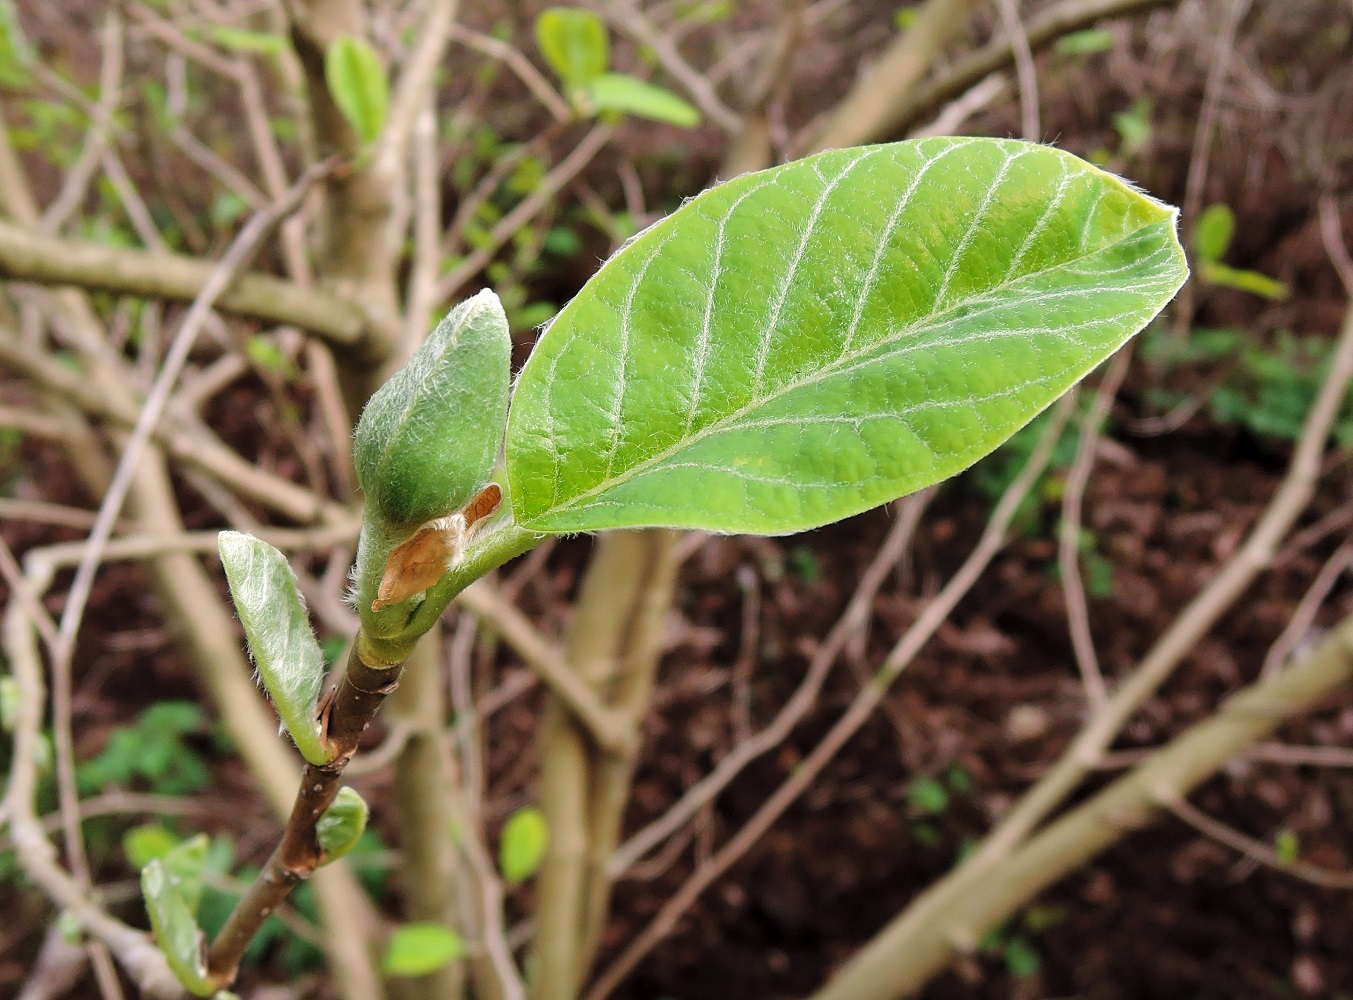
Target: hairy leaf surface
x,y
804,343
429,437
284,649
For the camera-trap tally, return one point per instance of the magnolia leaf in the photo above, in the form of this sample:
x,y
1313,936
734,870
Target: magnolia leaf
x,y
1215,273
522,848
147,842
341,825
284,649
267,43
1084,43
1212,232
429,437
804,343
575,44
622,92
358,85
421,948
175,928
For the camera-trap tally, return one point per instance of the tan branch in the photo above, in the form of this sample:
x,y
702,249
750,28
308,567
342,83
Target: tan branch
x,y
46,260
1044,28
859,711
901,959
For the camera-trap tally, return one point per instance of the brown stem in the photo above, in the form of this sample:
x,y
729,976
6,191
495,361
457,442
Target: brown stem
x,y
360,693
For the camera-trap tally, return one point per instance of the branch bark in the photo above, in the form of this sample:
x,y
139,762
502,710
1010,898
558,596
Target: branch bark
x,y
903,957
26,255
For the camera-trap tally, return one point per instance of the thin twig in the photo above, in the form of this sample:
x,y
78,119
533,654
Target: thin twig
x,y
1024,68
144,962
81,173
1069,535
603,724
231,265
526,210
848,724
1217,72
1257,850
1193,622
510,55
1299,625
799,704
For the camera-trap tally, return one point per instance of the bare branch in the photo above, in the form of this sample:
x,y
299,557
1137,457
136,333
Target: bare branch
x,y
905,954
993,539
1257,850
26,256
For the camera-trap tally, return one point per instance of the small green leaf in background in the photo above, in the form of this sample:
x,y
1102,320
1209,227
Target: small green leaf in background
x,y
268,355
429,437
420,949
17,54
143,844
1212,235
804,343
1287,845
1021,960
264,43
341,825
1134,126
284,649
1213,231
9,703
575,44
1084,43
525,837
1215,273
928,796
358,85
629,94
69,927
905,18
174,925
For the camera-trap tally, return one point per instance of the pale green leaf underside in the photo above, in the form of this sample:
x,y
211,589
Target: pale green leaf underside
x,y
289,660
340,826
804,343
175,929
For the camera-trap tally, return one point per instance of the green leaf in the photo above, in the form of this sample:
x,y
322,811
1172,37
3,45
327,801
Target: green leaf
x,y
574,43
622,92
9,703
175,929
1134,126
69,927
284,649
265,43
1021,960
341,825
143,844
1213,231
1084,43
429,437
1215,273
421,948
801,344
358,85
927,795
525,837
1287,845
